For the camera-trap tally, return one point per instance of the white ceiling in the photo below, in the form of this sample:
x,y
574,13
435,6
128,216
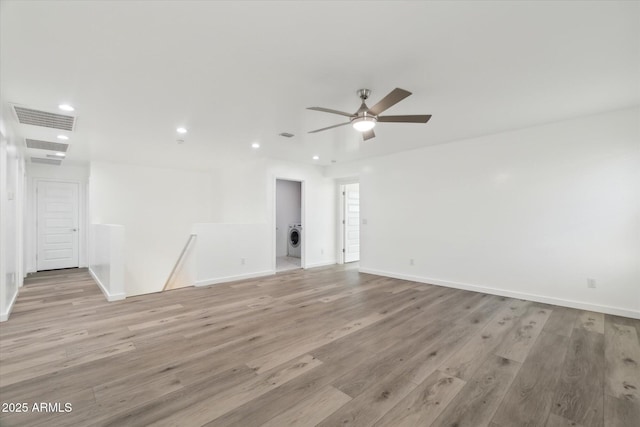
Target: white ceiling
x,y
234,73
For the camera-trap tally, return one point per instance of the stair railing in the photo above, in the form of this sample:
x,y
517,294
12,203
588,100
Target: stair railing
x,y
179,261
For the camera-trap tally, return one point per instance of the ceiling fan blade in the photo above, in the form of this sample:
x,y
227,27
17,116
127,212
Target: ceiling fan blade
x,y
330,127
389,101
368,135
329,110
405,119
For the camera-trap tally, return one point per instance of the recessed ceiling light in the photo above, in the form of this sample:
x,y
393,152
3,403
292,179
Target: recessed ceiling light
x,y
60,154
181,130
63,137
66,107
255,145
316,158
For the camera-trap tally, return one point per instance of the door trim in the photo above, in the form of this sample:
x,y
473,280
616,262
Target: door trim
x,y
340,226
345,220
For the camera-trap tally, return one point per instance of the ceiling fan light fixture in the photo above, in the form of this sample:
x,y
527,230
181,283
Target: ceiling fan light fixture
x,y
363,124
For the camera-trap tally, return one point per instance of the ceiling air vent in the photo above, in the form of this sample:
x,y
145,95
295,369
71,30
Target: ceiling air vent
x,y
286,134
46,161
28,116
46,145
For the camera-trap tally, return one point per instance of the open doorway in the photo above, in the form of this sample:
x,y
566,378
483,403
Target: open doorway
x,y
289,235
350,222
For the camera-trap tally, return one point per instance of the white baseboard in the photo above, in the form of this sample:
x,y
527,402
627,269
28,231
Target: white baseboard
x,y
320,264
216,280
110,297
511,294
4,316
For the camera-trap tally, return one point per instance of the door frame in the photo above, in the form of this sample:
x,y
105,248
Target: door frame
x,y
303,219
82,220
340,225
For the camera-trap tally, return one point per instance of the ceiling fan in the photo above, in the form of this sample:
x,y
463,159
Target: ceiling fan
x,y
365,119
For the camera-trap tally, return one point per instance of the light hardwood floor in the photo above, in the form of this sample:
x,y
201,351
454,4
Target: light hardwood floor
x,y
327,347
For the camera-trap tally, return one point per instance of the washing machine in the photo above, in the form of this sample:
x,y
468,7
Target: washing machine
x,y
294,240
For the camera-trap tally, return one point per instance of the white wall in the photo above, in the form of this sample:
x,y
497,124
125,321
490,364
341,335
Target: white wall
x,y
530,213
288,211
245,193
239,192
11,224
157,207
67,173
226,252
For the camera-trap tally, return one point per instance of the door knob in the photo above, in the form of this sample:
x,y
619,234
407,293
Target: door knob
x,y
74,229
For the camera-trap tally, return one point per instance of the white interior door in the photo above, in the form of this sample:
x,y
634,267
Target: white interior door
x,y
351,222
58,242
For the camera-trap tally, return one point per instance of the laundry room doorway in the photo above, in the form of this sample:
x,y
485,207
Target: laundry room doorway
x,y
289,235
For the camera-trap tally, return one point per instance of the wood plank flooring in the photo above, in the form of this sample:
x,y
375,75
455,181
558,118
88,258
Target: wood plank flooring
x,y
326,347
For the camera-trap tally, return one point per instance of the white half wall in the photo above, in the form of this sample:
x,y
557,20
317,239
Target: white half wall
x,y
106,259
227,252
157,207
533,213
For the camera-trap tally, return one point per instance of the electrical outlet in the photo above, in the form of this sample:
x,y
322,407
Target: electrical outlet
x,y
591,283
242,261
321,251
411,262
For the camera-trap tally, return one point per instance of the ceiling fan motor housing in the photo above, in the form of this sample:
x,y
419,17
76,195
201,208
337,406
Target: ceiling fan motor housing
x,y
364,93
